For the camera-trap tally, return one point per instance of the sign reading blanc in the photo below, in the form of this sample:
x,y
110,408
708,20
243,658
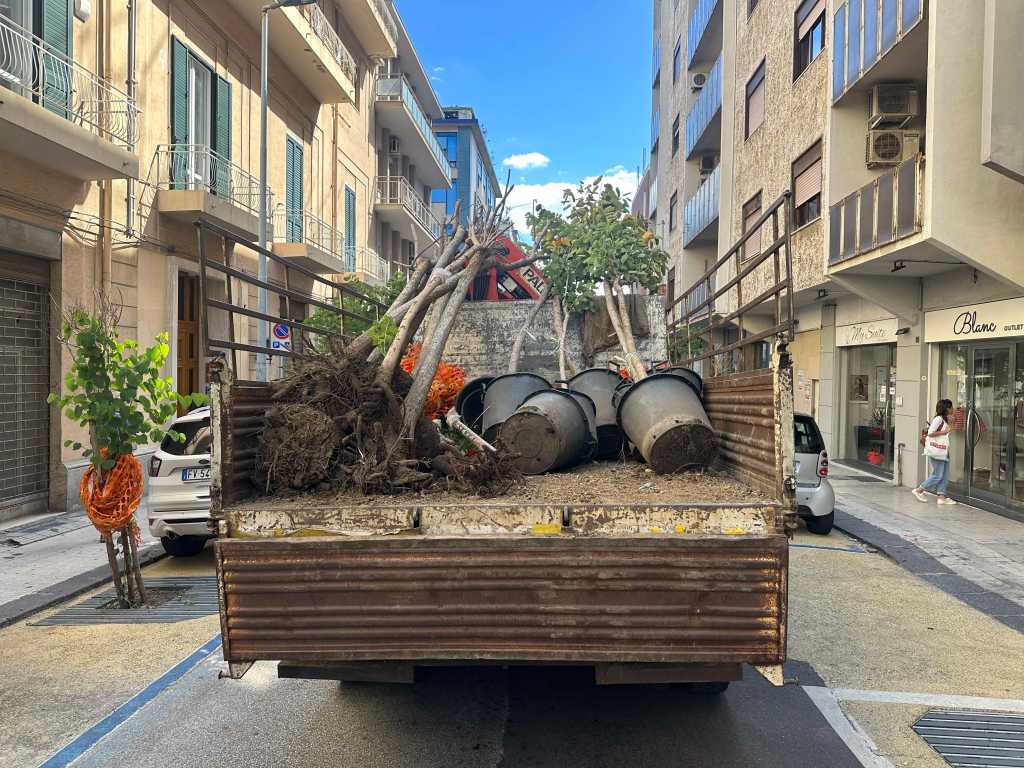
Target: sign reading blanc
x,y
877,332
992,320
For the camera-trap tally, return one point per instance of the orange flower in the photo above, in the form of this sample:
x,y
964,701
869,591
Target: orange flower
x,y
448,382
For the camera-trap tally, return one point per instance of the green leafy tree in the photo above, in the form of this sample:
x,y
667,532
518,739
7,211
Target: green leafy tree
x,y
379,330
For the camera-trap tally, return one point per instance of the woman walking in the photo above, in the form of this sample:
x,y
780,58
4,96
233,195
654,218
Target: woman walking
x,y
936,448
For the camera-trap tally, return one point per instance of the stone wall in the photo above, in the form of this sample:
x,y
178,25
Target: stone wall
x,y
482,339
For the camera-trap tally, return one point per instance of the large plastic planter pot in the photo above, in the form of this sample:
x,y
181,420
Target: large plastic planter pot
x,y
664,418
504,394
470,403
549,431
689,375
599,384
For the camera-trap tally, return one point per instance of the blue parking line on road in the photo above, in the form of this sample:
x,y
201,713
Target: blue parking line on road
x,y
91,737
854,549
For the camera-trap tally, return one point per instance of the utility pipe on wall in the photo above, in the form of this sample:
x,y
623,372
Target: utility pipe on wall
x,y
131,86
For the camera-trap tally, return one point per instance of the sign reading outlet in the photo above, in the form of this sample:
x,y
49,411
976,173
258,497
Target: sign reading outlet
x,y
991,320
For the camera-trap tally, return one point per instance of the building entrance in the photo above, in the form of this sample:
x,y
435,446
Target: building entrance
x,y
870,389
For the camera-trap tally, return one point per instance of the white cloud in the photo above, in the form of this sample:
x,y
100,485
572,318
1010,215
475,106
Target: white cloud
x,y
527,161
439,70
549,194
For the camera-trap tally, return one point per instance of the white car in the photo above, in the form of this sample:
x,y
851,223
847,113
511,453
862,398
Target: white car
x,y
179,487
815,499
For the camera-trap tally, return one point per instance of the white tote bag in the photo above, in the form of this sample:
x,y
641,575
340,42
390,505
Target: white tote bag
x,y
937,447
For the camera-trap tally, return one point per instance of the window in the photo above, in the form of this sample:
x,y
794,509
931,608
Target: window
x,y
450,144
807,186
751,213
755,100
751,5
673,204
294,191
655,129
670,288
808,438
446,197
675,136
656,61
810,34
677,61
350,229
200,121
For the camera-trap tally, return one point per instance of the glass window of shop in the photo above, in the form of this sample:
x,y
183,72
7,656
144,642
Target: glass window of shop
x,y
869,388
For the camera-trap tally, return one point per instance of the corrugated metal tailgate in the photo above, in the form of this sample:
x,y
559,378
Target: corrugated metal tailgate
x,y
535,598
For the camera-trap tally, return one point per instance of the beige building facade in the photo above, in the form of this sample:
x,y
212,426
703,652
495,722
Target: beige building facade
x,y
131,121
894,127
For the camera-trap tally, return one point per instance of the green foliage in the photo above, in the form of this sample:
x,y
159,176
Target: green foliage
x,y
383,332
115,389
331,321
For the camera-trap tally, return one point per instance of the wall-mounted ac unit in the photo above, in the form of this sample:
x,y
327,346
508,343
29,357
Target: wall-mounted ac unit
x,y
891,146
893,105
394,146
697,81
708,163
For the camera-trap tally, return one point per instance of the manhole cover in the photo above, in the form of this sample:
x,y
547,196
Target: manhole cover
x,y
172,599
975,739
48,527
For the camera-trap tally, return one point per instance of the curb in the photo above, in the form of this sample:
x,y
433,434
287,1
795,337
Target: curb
x,y
922,565
23,607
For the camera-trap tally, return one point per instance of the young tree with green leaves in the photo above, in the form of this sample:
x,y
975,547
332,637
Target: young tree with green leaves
x,y
116,391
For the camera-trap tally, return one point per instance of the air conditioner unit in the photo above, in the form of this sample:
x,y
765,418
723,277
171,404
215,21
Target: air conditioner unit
x,y
697,81
893,105
708,163
891,146
394,146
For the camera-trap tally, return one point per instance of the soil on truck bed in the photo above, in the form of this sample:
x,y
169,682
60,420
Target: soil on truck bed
x,y
629,482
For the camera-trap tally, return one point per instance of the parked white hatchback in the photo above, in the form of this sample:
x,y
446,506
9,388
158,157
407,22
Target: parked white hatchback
x,y
179,487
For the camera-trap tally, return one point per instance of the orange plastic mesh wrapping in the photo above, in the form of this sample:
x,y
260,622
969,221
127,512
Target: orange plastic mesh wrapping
x,y
447,384
113,507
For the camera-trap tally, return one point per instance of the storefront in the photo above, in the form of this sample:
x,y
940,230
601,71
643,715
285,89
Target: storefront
x,y
867,390
978,363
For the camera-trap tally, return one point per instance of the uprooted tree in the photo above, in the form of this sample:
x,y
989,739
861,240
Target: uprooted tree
x,y
353,418
116,392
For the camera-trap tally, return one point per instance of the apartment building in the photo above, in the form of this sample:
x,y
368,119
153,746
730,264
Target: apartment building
x,y
121,124
893,125
474,182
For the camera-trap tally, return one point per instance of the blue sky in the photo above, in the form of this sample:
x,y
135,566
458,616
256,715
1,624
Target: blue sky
x,y
568,80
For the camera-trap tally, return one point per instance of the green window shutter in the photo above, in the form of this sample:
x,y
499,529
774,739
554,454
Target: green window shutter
x,y
350,229
222,138
55,30
294,193
179,112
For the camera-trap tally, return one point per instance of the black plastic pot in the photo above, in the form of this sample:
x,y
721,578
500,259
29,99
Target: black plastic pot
x,y
470,403
549,431
689,375
599,384
665,419
503,395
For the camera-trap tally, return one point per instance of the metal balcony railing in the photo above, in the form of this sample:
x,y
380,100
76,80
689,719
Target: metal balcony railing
x,y
325,33
384,11
368,262
701,209
699,295
704,109
883,211
32,68
197,167
396,88
864,31
697,26
396,190
291,226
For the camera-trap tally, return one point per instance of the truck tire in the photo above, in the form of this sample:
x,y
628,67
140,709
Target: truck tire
x,y
183,546
822,526
706,689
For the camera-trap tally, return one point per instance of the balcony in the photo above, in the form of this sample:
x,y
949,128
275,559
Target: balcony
x,y
398,205
704,122
866,34
365,264
886,210
399,111
704,32
700,215
193,182
374,24
57,113
308,241
308,45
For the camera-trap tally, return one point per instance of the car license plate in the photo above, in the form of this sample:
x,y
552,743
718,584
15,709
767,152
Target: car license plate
x,y
194,474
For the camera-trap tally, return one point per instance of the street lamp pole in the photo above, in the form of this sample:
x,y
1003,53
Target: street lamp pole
x,y
263,360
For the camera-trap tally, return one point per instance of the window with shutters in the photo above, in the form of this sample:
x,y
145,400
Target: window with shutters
x,y
751,213
810,34
200,124
350,229
294,190
673,206
807,186
755,101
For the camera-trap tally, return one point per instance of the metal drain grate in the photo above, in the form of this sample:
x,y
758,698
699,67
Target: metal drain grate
x,y
48,527
191,597
974,739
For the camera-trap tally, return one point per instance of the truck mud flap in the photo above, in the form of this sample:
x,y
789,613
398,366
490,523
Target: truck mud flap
x,y
651,599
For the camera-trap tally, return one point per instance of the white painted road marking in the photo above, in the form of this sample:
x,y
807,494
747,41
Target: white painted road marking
x,y
846,728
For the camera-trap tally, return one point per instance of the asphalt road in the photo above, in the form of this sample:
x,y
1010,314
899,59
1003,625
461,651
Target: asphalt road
x,y
468,718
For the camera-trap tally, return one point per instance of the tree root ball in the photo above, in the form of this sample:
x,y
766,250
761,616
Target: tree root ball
x,y
297,448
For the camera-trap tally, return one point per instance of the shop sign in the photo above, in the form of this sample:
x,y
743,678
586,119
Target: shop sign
x,y
992,320
878,332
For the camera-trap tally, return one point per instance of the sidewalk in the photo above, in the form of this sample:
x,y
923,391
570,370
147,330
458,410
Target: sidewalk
x,y
974,555
58,560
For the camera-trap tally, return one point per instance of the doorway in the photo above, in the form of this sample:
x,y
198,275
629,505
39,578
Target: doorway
x,y
870,391
188,334
986,384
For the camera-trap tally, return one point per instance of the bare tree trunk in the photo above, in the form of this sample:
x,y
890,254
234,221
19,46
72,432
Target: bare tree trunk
x,y
564,363
115,572
627,327
517,346
633,364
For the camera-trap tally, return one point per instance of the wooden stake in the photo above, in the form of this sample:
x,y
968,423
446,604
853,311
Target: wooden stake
x,y
137,569
115,572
